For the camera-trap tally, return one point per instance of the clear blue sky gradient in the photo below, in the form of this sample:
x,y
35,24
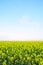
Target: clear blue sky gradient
x,y
21,19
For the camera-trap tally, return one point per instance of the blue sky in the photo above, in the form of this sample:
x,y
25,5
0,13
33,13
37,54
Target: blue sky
x,y
21,19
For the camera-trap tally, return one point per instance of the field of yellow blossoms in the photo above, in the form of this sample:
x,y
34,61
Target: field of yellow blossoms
x,y
21,52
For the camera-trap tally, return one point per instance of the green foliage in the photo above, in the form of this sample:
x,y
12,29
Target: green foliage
x,y
21,52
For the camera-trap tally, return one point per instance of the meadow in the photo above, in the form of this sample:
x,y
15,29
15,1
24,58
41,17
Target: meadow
x,y
21,52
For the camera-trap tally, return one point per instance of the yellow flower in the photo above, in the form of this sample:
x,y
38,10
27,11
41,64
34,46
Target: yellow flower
x,y
28,57
4,63
0,52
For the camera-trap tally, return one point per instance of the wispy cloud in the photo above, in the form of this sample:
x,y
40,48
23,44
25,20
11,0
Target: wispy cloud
x,y
23,19
31,30
22,35
27,20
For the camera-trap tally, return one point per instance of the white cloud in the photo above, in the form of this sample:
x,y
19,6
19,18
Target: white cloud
x,y
23,19
22,35
35,23
32,30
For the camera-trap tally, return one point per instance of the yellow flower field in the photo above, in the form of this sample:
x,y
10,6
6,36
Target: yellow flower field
x,y
21,52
